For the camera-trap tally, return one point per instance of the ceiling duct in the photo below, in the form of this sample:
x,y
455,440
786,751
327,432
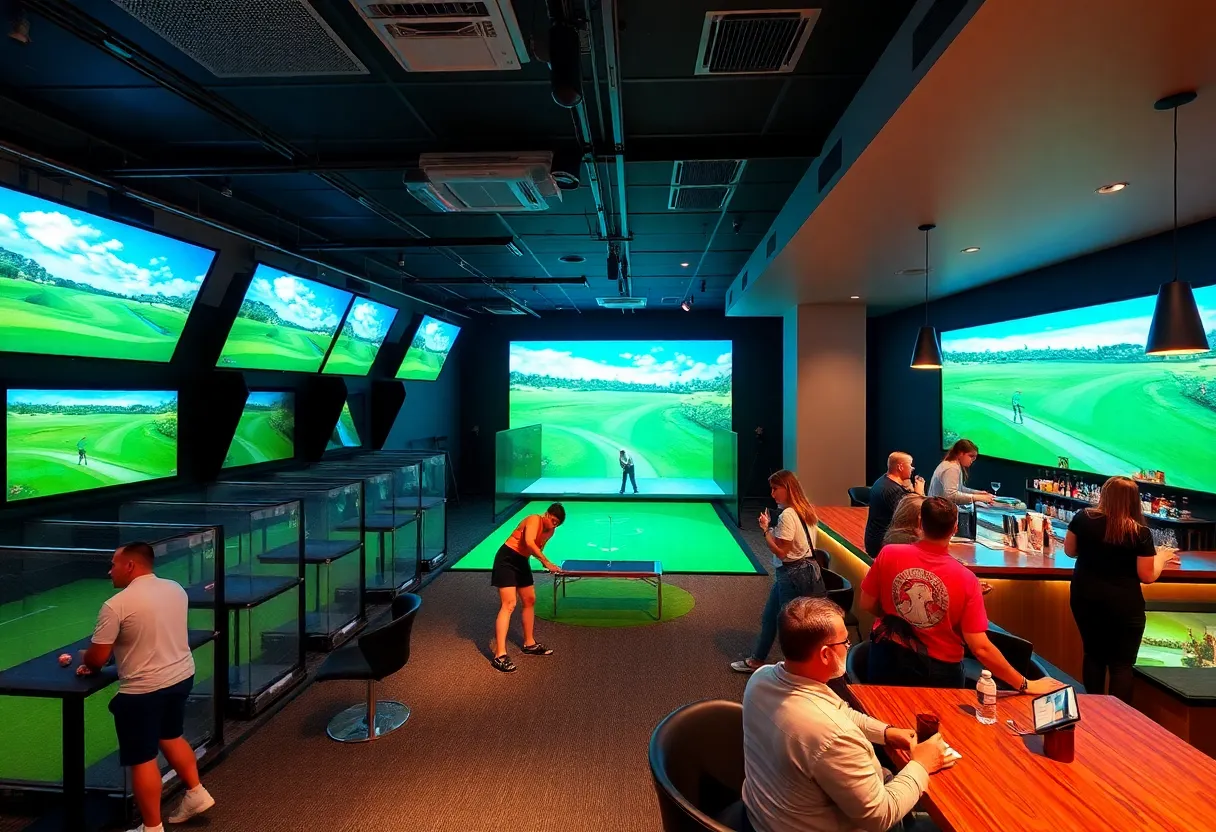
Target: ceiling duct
x,y
622,303
472,182
754,42
703,185
240,39
448,37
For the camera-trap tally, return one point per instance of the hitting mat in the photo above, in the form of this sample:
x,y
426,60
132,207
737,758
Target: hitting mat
x,y
687,538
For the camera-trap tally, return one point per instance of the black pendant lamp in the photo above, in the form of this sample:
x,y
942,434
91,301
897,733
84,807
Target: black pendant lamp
x,y
1177,328
928,353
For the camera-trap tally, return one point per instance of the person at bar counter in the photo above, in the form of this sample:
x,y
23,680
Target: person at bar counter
x,y
905,527
1115,554
808,762
885,494
950,477
928,606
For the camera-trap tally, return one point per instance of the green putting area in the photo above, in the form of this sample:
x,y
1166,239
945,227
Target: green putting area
x,y
612,602
685,537
1106,417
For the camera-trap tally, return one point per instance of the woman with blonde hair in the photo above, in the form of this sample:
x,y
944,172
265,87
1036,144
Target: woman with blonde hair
x,y
905,522
1115,554
795,573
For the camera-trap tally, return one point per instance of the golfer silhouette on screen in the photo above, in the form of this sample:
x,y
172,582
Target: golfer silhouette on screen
x,y
1017,408
627,471
82,456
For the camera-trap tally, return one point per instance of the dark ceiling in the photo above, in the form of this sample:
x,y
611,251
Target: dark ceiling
x,y
96,89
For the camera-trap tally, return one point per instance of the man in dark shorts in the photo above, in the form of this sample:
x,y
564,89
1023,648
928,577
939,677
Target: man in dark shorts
x,y
512,574
144,627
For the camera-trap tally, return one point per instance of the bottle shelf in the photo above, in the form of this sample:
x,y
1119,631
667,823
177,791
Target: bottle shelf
x,y
1150,517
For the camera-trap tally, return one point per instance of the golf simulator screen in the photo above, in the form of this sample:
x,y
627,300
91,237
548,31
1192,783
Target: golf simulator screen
x,y
266,430
359,340
73,283
345,434
284,323
432,342
60,441
1178,639
1077,384
660,402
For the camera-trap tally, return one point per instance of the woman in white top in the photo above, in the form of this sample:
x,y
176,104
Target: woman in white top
x,y
950,477
795,573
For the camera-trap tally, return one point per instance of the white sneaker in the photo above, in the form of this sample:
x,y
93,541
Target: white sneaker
x,y
195,802
142,828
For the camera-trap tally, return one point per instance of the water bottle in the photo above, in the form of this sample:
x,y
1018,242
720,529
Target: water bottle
x,y
985,699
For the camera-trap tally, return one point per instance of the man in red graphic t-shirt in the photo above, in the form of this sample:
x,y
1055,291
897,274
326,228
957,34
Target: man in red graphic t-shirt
x,y
929,606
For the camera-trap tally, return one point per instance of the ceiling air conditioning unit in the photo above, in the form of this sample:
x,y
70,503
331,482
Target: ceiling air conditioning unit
x,y
448,36
488,183
615,302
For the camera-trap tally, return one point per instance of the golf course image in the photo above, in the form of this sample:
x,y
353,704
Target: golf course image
x,y
1178,639
284,323
360,338
432,342
73,283
345,434
61,441
594,398
265,432
1077,384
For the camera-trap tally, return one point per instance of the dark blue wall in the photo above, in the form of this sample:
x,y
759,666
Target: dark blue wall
x,y
904,406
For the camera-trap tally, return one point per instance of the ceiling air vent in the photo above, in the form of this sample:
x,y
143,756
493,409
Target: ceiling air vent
x,y
240,39
503,309
670,300
448,37
754,42
703,185
615,302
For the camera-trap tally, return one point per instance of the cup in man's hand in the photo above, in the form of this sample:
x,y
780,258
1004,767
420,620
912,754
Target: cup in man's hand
x,y
927,724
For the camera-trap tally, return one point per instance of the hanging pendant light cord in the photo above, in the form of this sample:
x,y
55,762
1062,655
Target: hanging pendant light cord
x,y
927,258
1175,194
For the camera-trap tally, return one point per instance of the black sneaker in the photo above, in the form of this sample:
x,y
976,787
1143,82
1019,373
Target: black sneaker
x,y
537,650
503,663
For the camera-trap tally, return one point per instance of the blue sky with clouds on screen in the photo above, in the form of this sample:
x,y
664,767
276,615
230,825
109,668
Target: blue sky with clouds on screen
x,y
78,246
1124,322
269,399
305,303
371,320
107,398
658,363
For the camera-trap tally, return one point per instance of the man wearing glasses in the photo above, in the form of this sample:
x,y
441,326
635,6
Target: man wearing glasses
x,y
808,761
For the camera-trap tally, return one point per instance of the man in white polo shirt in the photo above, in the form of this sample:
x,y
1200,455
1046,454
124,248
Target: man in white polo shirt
x,y
145,628
809,765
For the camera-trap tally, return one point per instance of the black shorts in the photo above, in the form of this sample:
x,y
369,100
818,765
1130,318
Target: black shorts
x,y
510,568
142,720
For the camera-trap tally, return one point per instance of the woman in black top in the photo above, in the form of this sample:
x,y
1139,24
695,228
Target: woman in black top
x,y
1115,554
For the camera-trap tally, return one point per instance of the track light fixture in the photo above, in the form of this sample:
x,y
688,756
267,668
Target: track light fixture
x,y
687,304
19,28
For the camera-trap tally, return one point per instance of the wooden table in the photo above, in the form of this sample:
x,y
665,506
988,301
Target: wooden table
x,y
1129,773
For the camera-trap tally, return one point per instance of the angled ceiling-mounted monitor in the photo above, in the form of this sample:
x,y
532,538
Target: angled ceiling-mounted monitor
x,y
285,322
266,431
359,340
73,283
346,433
428,351
60,441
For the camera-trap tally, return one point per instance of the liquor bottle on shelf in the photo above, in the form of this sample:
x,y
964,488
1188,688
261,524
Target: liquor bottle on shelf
x,y
1146,503
1185,512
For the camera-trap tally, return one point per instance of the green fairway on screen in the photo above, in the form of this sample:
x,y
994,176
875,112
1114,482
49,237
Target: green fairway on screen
x,y
345,434
1178,639
429,349
1077,384
359,340
265,432
285,323
73,283
61,441
658,400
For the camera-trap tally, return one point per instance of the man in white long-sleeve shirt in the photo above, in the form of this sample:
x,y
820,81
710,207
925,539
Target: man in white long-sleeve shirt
x,y
809,765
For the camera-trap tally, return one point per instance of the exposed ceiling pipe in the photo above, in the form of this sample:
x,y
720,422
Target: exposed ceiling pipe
x,y
48,164
612,73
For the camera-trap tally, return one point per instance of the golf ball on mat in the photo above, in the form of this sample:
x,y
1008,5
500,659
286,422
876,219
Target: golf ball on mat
x,y
65,659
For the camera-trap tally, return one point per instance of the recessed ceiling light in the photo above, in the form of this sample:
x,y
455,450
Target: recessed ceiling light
x,y
1112,188
971,249
854,297
684,265
572,258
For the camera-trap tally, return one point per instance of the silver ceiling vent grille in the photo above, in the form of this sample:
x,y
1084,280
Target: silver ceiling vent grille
x,y
703,185
615,302
504,309
754,42
245,39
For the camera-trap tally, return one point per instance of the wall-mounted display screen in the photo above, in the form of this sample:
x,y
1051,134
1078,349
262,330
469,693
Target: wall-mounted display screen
x,y
266,431
1078,385
285,323
359,340
1178,639
345,434
429,349
659,401
61,441
74,283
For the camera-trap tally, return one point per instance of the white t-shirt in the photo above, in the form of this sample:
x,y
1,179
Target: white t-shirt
x,y
789,527
147,624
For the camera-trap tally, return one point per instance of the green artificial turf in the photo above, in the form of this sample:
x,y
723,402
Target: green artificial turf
x,y
612,602
60,320
1108,418
257,345
684,537
121,447
584,431
257,440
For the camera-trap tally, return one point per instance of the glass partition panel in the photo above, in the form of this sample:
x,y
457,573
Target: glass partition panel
x,y
726,470
517,465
